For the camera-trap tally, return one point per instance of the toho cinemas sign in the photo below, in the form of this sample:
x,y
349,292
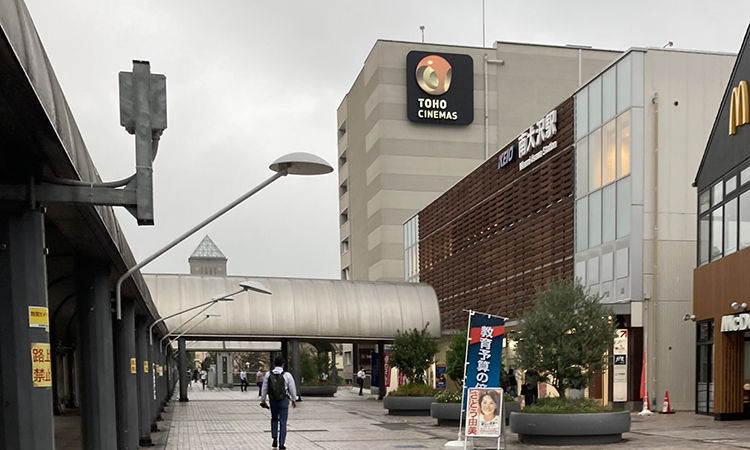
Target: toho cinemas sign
x,y
439,88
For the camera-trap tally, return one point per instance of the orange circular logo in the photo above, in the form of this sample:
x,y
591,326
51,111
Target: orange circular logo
x,y
434,75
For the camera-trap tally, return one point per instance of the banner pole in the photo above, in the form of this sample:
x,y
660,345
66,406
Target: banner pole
x,y
463,386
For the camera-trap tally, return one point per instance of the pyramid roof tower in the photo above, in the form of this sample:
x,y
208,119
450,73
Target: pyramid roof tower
x,y
207,259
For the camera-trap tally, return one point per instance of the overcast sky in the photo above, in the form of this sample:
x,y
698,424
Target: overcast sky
x,y
248,81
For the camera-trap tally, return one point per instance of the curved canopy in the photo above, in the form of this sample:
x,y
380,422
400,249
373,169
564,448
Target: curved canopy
x,y
314,309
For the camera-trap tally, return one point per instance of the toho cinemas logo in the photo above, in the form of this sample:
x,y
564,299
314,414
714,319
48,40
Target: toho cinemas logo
x,y
440,88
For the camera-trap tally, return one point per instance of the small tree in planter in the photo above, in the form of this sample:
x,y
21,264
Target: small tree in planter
x,y
413,352
455,358
566,335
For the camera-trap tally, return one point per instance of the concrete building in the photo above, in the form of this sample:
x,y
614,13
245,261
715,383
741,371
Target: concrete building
x,y
404,141
207,259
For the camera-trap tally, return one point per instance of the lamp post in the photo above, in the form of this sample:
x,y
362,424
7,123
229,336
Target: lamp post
x,y
188,330
292,164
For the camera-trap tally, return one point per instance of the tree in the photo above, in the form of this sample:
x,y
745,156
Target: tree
x,y
413,352
565,336
455,358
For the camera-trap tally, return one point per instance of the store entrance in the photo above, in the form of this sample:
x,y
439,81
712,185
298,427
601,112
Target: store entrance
x,y
704,392
746,377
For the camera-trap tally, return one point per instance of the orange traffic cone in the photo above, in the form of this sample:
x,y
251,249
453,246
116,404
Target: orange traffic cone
x,y
667,407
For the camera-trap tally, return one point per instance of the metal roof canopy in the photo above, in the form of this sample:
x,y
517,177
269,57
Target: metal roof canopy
x,y
231,346
310,309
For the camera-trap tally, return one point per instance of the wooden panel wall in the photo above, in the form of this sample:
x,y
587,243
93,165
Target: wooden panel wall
x,y
499,232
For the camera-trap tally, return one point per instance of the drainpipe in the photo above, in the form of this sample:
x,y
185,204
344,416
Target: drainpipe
x,y
655,268
487,63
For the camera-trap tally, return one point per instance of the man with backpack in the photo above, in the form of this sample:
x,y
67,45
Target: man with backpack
x,y
279,386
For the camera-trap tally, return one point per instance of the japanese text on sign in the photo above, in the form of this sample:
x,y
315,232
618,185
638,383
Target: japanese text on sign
x,y
41,363
145,366
472,421
133,366
38,317
485,355
533,138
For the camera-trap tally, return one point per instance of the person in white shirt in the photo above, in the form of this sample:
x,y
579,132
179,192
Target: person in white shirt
x,y
204,378
279,386
361,379
259,379
243,381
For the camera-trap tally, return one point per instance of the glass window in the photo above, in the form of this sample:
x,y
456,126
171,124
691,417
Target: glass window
x,y
593,270
609,94
730,185
622,261
608,267
595,160
623,84
716,234
745,175
608,213
623,145
730,227
703,244
582,113
717,194
582,224
704,201
595,103
595,218
582,168
745,220
609,151
623,207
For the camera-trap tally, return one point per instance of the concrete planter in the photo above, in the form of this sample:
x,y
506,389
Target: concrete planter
x,y
408,406
510,407
447,414
325,390
570,429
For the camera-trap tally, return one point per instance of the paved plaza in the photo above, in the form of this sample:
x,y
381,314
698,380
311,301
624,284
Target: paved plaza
x,y
232,420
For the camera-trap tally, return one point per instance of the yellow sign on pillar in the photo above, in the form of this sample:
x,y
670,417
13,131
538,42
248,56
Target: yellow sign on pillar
x,y
133,366
41,364
38,317
145,366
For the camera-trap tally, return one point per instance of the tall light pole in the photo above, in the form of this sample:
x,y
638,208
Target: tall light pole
x,y
292,164
208,316
421,27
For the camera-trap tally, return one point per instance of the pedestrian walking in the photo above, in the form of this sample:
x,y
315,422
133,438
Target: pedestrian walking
x,y
361,380
279,386
512,383
530,387
259,379
204,378
196,375
243,381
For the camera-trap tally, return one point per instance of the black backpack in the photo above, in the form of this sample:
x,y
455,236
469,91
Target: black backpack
x,y
276,387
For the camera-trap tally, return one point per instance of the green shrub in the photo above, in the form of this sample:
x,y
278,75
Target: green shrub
x,y
448,397
509,398
413,390
557,405
413,352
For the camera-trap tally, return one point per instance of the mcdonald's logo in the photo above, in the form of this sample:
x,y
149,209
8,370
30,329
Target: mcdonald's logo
x,y
739,109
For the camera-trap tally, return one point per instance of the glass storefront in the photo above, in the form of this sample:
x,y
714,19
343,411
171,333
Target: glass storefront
x,y
704,393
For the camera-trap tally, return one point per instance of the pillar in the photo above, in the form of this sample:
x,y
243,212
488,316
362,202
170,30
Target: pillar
x,y
284,352
153,350
182,369
334,369
144,387
126,386
296,369
94,311
26,413
381,369
356,362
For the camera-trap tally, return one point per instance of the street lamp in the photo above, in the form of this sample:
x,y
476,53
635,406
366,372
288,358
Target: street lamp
x,y
186,331
298,163
255,286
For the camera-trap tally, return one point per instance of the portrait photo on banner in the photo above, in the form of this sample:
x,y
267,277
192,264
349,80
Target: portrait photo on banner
x,y
484,412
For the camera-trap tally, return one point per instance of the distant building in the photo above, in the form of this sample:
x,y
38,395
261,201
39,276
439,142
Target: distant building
x,y
207,259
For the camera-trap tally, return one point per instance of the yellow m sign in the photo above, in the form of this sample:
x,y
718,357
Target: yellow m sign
x,y
739,109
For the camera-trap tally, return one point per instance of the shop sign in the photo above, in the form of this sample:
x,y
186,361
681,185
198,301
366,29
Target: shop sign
x,y
506,157
440,88
38,317
41,364
133,366
739,109
740,322
620,369
531,146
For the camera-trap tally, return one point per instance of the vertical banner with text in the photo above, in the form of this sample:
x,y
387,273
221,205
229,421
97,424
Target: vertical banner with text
x,y
485,353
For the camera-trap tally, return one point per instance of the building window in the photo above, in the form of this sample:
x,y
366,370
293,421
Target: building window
x,y
623,207
730,185
705,359
582,224
595,218
595,160
730,227
595,103
411,250
345,274
582,113
623,145
344,217
582,168
347,358
624,80
704,201
717,194
745,175
609,203
703,240
343,189
716,233
745,220
344,246
609,94
342,159
609,152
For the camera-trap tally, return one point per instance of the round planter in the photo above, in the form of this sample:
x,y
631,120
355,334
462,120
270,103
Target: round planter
x,y
408,406
510,407
570,429
317,391
447,414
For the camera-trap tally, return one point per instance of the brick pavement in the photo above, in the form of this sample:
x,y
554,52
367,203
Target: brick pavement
x,y
232,420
